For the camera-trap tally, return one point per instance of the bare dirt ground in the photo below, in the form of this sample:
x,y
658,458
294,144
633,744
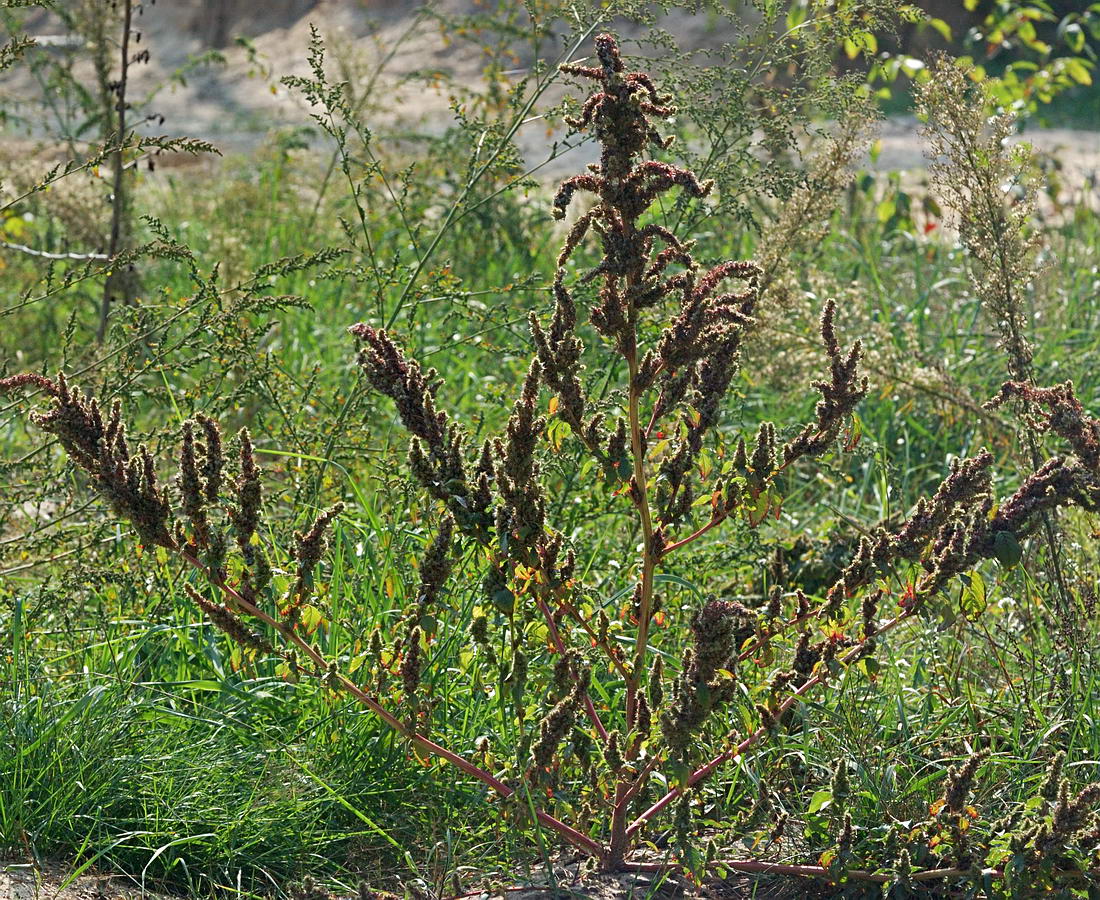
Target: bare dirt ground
x,y
57,882
26,882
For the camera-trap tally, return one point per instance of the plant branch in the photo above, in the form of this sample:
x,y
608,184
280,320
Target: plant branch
x,y
119,204
559,646
793,699
579,840
640,495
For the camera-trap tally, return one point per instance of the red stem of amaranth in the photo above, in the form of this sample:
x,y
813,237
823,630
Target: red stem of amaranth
x,y
620,835
581,841
559,647
624,792
706,770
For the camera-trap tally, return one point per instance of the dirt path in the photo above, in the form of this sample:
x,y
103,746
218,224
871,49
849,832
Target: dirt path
x,y
20,881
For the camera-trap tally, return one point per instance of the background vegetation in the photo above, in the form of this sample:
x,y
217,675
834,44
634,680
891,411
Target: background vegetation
x,y
134,738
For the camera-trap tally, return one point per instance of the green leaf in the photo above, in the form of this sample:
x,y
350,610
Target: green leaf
x,y
796,15
942,27
822,799
287,673
664,578
678,772
311,618
974,595
869,666
504,600
556,432
945,613
1074,36
860,42
1078,71
1007,549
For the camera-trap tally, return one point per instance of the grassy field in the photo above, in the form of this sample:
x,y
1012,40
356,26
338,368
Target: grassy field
x,y
134,738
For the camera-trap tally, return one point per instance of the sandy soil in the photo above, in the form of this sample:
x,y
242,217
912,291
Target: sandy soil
x,y
19,881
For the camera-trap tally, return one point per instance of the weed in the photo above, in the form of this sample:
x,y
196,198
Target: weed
x,y
606,741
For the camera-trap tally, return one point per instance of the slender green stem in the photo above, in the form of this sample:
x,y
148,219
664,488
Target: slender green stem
x,y
453,211
119,200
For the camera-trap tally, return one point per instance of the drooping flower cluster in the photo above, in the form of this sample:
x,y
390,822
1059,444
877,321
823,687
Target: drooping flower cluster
x,y
192,520
127,478
437,450
1061,412
839,396
717,630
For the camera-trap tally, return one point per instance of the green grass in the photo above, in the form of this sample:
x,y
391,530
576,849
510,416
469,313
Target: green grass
x,y
141,750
